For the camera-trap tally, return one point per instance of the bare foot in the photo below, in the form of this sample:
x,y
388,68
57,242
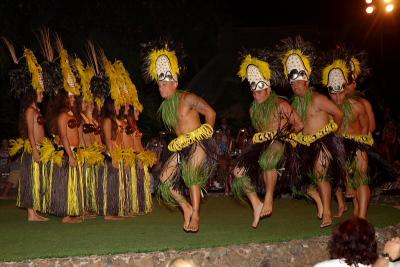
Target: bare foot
x,y
89,215
112,218
256,214
267,208
44,219
36,218
70,219
187,214
326,221
320,210
340,212
194,223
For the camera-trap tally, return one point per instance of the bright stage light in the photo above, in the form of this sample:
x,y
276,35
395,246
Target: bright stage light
x,y
368,1
369,9
389,8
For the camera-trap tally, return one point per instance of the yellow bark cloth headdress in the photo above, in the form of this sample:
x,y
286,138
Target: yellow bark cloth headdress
x,y
70,84
35,69
205,131
86,74
257,72
128,85
162,65
334,76
296,65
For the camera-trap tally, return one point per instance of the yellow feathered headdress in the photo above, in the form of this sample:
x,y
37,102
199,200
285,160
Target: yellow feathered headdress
x,y
128,85
335,75
358,65
85,75
256,71
162,65
355,67
35,69
118,93
296,59
70,84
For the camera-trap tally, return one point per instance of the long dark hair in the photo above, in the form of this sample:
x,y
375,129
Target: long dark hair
x,y
57,105
26,101
108,112
354,241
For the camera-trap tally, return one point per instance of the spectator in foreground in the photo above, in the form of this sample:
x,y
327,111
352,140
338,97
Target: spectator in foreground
x,y
353,244
390,255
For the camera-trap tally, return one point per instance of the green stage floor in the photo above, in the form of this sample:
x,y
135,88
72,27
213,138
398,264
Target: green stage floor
x,y
224,222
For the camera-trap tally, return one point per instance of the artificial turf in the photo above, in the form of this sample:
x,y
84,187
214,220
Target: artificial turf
x,y
223,222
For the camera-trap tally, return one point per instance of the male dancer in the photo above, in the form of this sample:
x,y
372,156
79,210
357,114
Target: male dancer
x,y
321,117
273,118
355,130
187,166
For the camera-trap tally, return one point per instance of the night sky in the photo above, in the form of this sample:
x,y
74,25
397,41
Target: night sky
x,y
206,29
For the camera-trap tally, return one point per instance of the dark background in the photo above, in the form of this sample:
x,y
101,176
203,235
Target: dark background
x,y
212,32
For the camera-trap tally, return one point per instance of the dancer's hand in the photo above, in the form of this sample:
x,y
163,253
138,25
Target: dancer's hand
x,y
35,155
72,161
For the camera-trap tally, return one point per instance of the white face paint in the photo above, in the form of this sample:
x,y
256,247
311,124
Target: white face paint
x,y
336,81
164,70
296,69
256,79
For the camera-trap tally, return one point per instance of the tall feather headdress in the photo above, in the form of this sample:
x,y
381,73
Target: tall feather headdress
x,y
162,60
256,68
297,58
